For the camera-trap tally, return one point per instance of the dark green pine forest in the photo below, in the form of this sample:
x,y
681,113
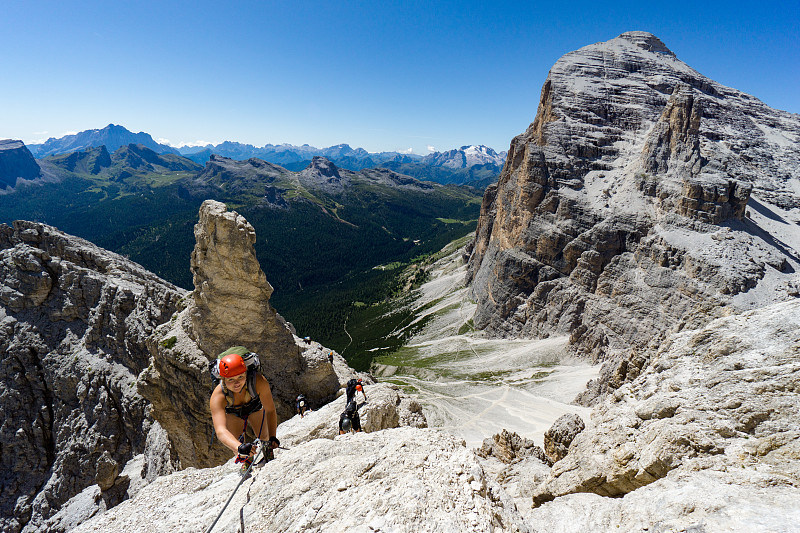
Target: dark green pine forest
x,y
332,254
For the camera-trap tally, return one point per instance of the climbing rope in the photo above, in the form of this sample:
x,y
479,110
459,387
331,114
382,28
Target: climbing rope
x,y
256,458
260,449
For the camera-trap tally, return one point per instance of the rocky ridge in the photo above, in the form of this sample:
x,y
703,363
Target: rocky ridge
x,y
622,212
271,180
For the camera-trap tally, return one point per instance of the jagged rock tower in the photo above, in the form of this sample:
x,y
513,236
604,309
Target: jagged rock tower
x,y
231,292
229,306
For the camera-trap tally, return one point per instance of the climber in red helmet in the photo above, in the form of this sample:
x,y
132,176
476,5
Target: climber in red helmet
x,y
242,398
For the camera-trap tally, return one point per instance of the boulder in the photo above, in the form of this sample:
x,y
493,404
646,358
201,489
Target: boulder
x,y
510,447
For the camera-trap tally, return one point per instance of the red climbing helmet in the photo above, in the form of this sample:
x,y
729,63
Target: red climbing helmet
x,y
231,365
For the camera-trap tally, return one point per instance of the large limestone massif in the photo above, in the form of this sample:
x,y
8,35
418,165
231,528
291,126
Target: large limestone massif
x,y
622,212
74,320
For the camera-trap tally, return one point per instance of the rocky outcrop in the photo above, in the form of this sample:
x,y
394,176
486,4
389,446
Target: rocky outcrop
x,y
510,447
16,161
600,225
404,479
231,294
321,173
561,434
722,398
386,408
74,320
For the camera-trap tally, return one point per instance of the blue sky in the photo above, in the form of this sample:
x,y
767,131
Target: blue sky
x,y
380,75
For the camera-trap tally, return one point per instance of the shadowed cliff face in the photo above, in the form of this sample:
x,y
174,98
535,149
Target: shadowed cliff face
x,y
600,221
16,161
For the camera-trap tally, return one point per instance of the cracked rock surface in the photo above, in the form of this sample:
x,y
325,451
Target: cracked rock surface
x,y
716,407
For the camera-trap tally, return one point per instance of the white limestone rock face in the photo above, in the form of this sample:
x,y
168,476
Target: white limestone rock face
x,y
706,500
404,479
710,428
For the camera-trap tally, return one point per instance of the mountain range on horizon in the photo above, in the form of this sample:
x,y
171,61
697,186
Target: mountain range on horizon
x,y
291,156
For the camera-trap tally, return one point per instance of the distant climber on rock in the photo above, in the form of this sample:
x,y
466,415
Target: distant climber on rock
x,y
242,398
301,406
352,386
349,421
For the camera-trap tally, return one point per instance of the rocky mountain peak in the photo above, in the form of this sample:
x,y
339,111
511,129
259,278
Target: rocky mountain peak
x,y
324,167
646,41
112,136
